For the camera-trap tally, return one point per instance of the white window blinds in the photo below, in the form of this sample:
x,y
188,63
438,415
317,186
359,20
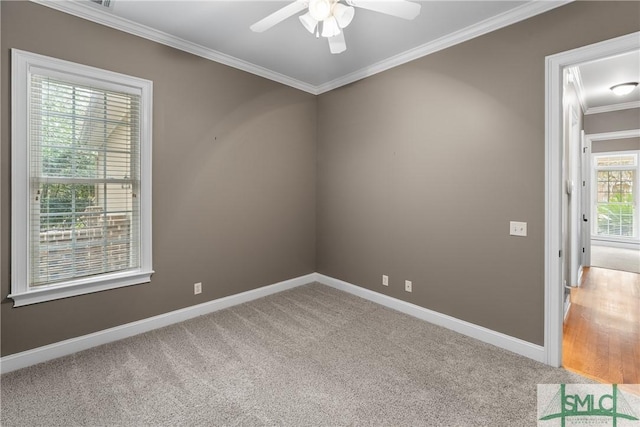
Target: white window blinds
x,y
84,160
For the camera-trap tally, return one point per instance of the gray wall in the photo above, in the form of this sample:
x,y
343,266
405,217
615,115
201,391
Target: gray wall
x,y
612,121
234,178
623,144
421,168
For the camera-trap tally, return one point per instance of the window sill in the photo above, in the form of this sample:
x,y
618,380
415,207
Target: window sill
x,y
605,240
81,287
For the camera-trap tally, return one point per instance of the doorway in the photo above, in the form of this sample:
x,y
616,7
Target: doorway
x,y
556,187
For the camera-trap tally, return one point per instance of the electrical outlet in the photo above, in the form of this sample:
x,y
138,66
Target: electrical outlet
x,y
408,286
197,288
518,228
385,280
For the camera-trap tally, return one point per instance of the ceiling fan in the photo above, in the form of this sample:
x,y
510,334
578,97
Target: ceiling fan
x,y
327,18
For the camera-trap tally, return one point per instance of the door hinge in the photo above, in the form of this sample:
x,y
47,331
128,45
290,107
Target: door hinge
x,y
560,254
584,183
582,250
584,149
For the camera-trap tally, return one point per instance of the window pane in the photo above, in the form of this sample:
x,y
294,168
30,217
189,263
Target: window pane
x,y
60,202
85,163
615,220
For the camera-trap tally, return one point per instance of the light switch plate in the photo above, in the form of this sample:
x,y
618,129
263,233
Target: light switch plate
x,y
518,228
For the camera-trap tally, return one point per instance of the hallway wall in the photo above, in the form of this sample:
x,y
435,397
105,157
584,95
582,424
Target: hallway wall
x,y
612,121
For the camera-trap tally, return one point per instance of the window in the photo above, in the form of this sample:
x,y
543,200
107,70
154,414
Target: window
x,y
616,177
81,179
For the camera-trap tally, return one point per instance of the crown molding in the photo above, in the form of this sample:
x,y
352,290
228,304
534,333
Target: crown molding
x,y
616,134
613,107
520,13
94,14
577,84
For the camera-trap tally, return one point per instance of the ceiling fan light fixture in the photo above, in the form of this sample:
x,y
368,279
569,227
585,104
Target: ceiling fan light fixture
x,y
624,88
337,44
309,22
343,14
320,9
331,16
330,27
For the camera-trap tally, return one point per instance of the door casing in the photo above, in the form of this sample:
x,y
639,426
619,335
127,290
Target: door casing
x,y
554,291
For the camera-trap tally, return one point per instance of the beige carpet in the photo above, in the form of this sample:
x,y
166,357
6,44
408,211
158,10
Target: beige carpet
x,y
615,258
311,356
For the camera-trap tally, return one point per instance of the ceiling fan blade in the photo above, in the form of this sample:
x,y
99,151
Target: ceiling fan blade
x,y
337,43
279,16
400,8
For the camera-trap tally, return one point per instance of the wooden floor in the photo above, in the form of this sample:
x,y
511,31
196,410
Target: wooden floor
x,y
602,331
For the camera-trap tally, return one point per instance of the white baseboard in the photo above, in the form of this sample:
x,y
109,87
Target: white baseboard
x,y
580,273
515,345
567,306
73,345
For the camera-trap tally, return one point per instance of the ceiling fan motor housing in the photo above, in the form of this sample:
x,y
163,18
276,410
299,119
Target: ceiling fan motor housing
x,y
320,9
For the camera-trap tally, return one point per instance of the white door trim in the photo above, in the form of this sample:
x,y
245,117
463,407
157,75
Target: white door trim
x,y
585,207
555,65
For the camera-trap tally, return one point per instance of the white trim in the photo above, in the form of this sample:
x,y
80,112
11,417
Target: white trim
x,y
483,334
19,175
585,200
81,287
103,17
580,274
555,65
606,136
73,345
553,213
567,306
613,107
579,87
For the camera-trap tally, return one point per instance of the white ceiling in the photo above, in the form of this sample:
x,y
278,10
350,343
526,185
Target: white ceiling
x,y
597,77
291,50
219,30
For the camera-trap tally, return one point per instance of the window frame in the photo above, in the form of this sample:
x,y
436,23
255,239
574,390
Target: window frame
x,y
594,190
23,64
